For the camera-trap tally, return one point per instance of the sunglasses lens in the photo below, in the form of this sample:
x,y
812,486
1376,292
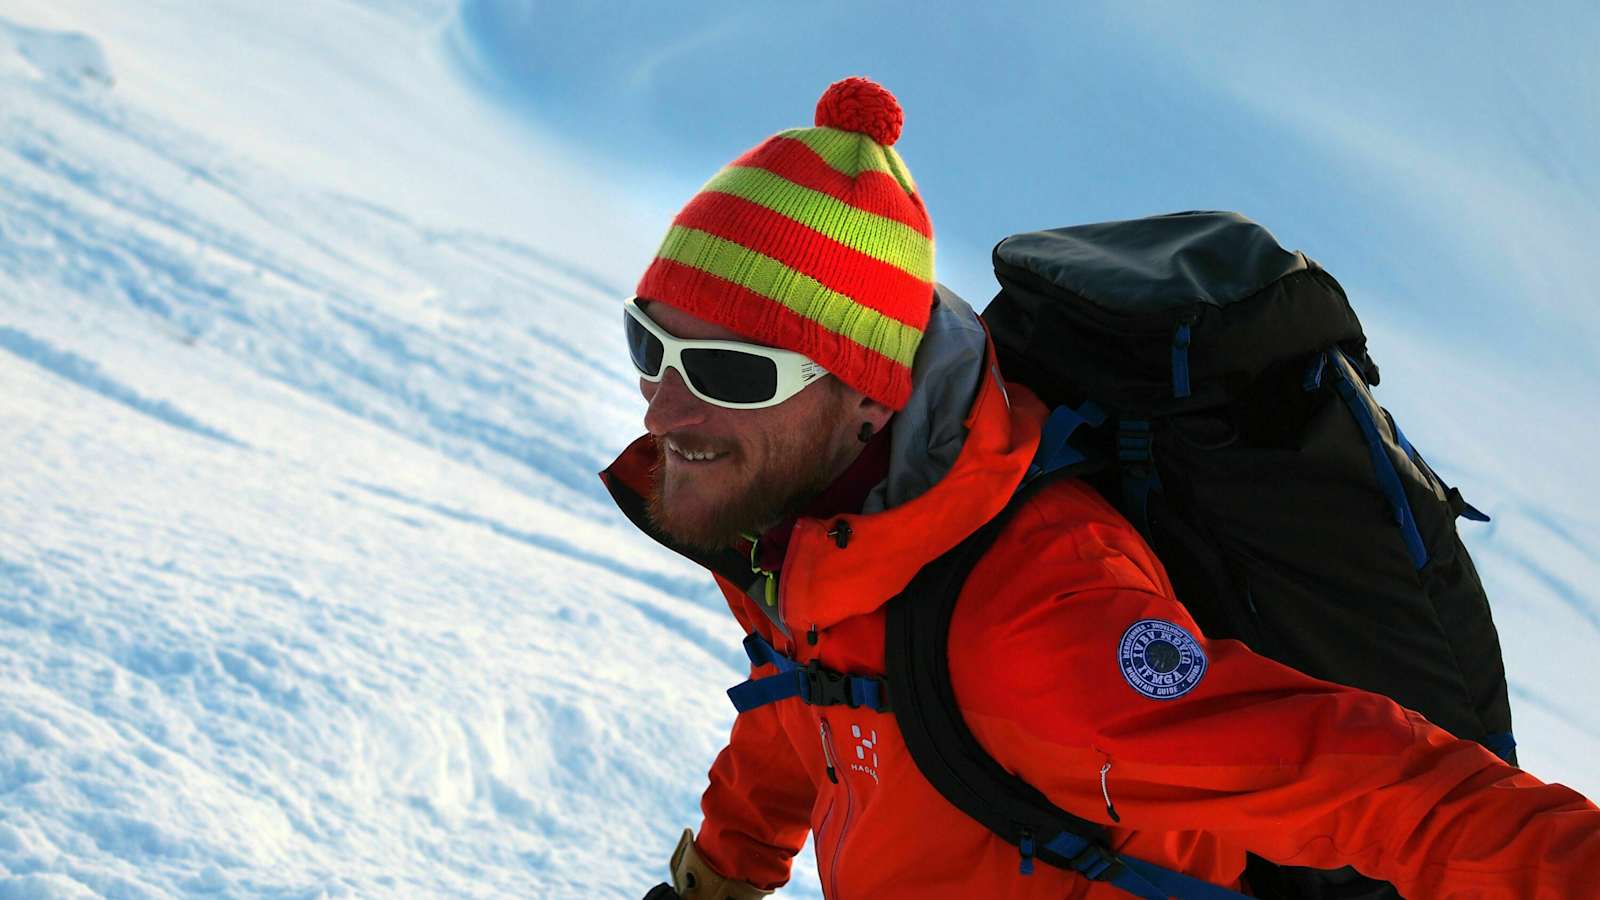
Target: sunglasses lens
x,y
643,347
732,376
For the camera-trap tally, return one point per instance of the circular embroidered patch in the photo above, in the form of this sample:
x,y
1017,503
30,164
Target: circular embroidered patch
x,y
1160,660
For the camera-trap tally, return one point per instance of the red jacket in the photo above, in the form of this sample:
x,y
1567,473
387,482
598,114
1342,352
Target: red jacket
x,y
1256,756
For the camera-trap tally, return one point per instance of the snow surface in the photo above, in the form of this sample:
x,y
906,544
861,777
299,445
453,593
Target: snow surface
x,y
307,587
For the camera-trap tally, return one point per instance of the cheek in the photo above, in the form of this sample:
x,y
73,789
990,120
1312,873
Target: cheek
x,y
793,438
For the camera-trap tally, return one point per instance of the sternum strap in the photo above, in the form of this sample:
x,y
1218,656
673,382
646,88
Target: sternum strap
x,y
811,683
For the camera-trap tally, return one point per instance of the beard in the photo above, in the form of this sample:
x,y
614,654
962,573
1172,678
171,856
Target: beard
x,y
713,510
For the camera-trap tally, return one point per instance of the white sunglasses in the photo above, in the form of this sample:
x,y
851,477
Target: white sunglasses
x,y
731,374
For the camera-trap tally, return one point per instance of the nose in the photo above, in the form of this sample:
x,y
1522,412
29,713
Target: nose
x,y
671,406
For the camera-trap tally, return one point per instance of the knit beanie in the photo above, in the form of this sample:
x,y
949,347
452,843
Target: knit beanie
x,y
814,241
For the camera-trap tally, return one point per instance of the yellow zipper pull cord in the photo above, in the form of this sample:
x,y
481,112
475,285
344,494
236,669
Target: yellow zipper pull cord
x,y
769,591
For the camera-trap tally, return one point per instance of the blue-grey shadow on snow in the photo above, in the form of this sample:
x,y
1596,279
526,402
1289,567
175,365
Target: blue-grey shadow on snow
x,y
69,58
665,583
712,645
86,374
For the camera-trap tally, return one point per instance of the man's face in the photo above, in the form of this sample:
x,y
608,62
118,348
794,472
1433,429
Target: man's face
x,y
766,463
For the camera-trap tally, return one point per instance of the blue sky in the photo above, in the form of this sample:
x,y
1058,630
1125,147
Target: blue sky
x,y
1437,158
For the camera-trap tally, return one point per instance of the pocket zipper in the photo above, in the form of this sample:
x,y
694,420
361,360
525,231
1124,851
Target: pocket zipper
x,y
827,752
1105,791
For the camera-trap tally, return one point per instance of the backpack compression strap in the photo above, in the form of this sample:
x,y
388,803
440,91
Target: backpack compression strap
x,y
916,658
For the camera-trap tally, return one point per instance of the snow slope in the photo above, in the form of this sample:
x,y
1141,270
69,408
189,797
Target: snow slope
x,y
307,587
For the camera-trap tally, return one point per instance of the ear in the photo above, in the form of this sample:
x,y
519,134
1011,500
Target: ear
x,y
871,411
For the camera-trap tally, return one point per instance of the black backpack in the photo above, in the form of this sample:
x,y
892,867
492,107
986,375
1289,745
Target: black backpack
x,y
1214,387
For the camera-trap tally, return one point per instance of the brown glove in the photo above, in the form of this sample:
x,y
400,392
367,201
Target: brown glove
x,y
696,880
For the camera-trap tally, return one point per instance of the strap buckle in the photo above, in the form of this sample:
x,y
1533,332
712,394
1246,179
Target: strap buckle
x,y
1096,863
825,687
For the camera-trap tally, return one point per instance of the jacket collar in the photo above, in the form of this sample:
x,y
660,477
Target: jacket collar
x,y
847,494
628,480
959,449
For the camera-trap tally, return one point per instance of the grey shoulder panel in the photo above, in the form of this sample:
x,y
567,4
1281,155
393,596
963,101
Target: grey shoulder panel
x,y
928,433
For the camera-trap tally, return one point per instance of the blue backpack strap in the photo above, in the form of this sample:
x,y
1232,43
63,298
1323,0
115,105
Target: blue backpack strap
x,y
1458,503
1382,465
1503,744
1464,509
1313,380
757,692
1314,373
1141,879
1182,335
1055,446
1139,478
762,653
811,683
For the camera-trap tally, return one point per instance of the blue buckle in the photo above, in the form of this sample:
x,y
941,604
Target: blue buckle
x,y
1096,863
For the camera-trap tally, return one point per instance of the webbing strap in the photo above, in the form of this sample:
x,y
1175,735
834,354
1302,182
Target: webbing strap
x,y
1382,465
812,684
1135,458
1465,510
1458,503
1055,447
762,653
1135,876
1181,337
1503,744
1313,379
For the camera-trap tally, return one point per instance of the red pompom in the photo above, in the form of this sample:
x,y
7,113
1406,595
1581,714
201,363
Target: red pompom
x,y
859,105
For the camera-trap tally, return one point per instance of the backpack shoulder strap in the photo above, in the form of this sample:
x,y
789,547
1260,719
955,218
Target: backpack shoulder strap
x,y
951,759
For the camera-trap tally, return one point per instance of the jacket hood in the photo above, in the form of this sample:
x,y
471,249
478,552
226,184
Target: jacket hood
x,y
930,431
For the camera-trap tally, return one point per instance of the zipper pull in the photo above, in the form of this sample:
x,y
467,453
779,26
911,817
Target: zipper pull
x,y
769,587
1106,792
827,752
1181,338
1025,847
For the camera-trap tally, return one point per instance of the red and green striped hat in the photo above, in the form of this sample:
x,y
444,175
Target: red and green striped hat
x,y
814,241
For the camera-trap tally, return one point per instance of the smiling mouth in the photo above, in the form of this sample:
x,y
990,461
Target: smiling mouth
x,y
694,456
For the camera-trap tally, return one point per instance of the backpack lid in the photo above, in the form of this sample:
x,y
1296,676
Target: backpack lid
x,y
1154,316
1153,264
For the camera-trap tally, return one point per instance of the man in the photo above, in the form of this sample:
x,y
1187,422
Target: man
x,y
823,421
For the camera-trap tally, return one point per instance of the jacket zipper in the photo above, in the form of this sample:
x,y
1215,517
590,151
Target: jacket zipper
x,y
830,886
822,827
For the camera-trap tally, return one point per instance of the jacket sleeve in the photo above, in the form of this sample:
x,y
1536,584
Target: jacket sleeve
x,y
758,805
1297,770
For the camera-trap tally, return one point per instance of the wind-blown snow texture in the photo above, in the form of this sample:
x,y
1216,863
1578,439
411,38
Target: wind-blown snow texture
x,y
307,587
